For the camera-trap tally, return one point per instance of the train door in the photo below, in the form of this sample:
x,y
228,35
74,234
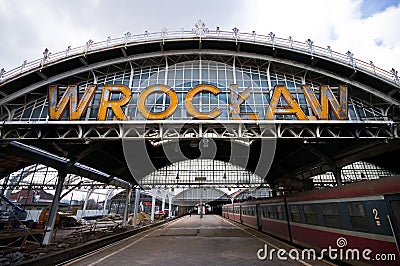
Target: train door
x,y
393,203
258,216
240,213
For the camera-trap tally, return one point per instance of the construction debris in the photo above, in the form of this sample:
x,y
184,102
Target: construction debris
x,y
24,247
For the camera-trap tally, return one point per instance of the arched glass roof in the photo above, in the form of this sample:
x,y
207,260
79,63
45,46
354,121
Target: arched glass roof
x,y
204,172
184,76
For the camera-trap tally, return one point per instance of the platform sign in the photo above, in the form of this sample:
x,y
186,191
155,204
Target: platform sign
x,y
320,106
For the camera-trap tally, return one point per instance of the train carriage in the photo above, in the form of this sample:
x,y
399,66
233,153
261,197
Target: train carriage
x,y
250,215
225,211
359,216
273,218
362,215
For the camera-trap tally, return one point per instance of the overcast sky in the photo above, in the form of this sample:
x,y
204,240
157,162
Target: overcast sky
x,y
368,28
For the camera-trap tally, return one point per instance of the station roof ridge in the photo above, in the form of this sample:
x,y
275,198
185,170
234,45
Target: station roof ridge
x,y
202,34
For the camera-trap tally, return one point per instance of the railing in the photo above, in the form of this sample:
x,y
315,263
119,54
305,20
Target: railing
x,y
164,35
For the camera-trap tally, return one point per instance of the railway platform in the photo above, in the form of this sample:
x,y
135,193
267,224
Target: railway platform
x,y
211,240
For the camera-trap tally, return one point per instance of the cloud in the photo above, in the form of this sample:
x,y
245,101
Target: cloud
x,y
339,24
373,38
28,27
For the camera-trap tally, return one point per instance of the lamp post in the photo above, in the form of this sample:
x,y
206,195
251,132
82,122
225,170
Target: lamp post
x,y
2,72
127,36
272,38
236,34
310,46
394,72
291,41
200,179
200,29
164,34
350,55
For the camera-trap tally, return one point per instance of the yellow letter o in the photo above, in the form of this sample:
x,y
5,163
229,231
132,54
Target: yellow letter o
x,y
154,89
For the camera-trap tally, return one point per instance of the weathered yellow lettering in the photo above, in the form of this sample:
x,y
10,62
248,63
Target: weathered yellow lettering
x,y
292,109
236,100
327,98
154,89
56,111
189,105
115,105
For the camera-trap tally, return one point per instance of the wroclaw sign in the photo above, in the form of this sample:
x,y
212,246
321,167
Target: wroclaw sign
x,y
320,107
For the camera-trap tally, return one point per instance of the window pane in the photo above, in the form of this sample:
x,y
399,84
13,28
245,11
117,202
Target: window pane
x,y
331,215
279,212
357,215
295,213
310,214
271,212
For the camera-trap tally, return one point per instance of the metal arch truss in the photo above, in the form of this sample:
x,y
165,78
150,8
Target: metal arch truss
x,y
195,129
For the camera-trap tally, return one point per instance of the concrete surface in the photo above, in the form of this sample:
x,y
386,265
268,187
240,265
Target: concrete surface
x,y
211,240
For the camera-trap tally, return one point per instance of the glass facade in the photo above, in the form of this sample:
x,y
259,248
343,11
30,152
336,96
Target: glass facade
x,y
181,77
38,176
201,172
354,172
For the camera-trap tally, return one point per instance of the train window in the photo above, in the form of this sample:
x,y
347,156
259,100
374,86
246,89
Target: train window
x,y
271,212
295,213
331,215
264,211
252,211
279,212
310,214
357,215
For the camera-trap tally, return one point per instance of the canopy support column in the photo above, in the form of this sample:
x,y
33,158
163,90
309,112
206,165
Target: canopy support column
x,y
170,206
127,203
136,210
337,173
153,205
51,220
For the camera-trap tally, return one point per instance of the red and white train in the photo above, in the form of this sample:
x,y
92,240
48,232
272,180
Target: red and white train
x,y
355,218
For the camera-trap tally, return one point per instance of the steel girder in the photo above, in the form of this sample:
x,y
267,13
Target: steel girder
x,y
170,130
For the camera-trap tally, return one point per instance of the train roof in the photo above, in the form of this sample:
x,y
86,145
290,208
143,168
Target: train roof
x,y
260,201
382,186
